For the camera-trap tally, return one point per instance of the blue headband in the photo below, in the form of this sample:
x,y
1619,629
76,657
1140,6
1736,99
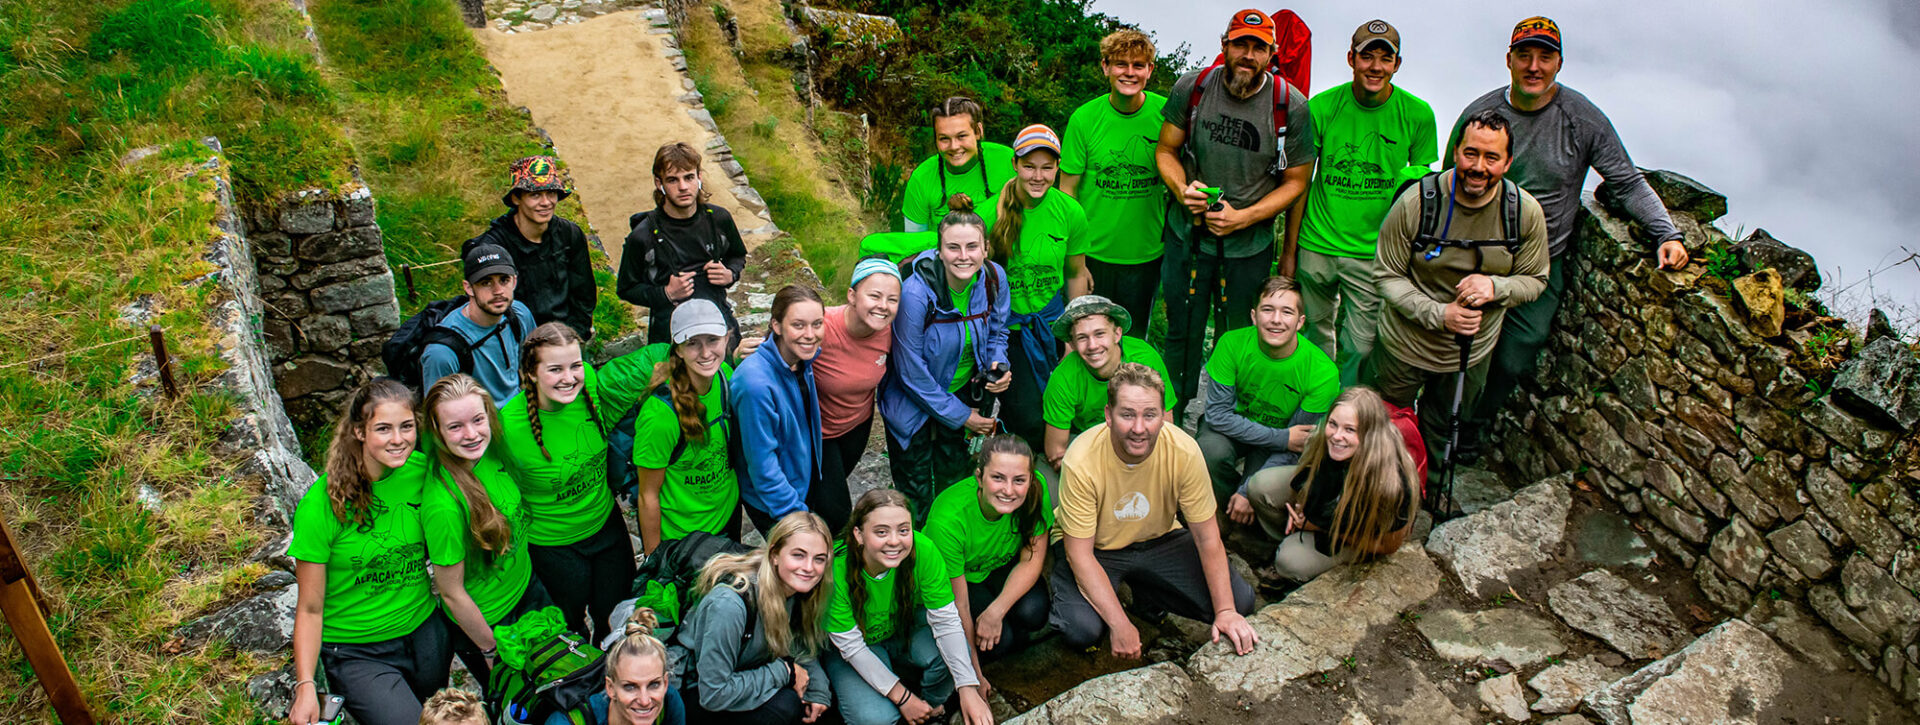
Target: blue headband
x,y
872,266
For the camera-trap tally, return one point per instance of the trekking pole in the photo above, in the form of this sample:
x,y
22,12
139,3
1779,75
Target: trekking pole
x,y
1443,498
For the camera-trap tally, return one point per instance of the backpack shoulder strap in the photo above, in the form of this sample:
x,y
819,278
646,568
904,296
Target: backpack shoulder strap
x,y
1282,100
1429,208
1193,96
1510,207
462,350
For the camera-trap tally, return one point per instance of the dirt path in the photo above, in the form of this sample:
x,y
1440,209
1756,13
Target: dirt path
x,y
608,97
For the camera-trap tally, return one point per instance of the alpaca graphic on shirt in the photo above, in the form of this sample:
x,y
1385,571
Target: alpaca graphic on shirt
x,y
1133,507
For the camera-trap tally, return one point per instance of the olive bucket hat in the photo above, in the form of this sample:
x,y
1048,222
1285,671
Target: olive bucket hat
x,y
1086,306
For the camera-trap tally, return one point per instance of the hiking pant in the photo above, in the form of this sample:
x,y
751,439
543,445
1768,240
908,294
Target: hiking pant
x,y
934,459
385,682
1298,556
1231,462
589,577
1165,575
860,704
784,708
1027,616
1183,269
1131,286
1021,405
1325,278
831,497
532,600
1522,333
1429,393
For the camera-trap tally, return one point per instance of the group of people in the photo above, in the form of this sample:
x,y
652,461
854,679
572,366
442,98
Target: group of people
x,y
1033,434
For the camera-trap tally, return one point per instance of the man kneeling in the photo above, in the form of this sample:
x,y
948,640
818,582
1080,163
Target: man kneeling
x,y
1121,484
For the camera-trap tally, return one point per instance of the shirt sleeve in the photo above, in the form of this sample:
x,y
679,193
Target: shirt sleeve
x,y
1079,504
909,359
655,432
636,280
1392,269
950,637
1076,229
1323,385
1175,112
735,259
1057,404
1073,145
313,526
584,292
1194,487
944,535
444,522
723,687
1223,419
1425,137
915,203
436,361
931,574
1529,277
1609,157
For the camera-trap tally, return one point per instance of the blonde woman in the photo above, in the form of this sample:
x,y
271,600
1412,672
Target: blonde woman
x,y
1352,497
637,691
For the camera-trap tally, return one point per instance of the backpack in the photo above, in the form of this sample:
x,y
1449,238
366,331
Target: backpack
x,y
401,352
1430,232
713,244
560,674
677,564
624,476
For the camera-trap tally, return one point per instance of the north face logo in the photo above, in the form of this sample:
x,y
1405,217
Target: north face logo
x,y
1235,132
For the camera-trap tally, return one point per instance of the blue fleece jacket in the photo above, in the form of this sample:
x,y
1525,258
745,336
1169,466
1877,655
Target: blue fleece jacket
x,y
926,345
779,416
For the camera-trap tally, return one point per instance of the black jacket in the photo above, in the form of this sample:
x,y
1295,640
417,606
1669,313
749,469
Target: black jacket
x,y
658,248
556,275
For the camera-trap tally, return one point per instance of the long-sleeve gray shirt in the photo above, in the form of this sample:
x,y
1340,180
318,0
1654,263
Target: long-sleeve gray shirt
x,y
735,672
1552,150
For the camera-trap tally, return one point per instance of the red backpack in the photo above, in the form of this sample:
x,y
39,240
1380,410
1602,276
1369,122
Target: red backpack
x,y
1291,66
1409,424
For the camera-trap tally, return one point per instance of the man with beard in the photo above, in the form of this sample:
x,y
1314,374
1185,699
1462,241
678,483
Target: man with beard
x,y
556,273
1266,388
1121,485
1449,266
1557,135
1231,167
491,325
1106,163
1097,334
684,249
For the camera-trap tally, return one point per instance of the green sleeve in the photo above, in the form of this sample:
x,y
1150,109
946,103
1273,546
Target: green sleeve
x,y
314,526
1221,365
625,380
840,604
917,203
929,567
655,432
445,523
1075,227
1057,404
1073,146
1159,365
944,532
1323,384
1425,138
1046,506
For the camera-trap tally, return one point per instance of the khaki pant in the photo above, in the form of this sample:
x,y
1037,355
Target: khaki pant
x,y
1298,557
1339,291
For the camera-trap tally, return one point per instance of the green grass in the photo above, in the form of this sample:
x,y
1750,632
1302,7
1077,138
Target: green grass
x,y
81,84
436,134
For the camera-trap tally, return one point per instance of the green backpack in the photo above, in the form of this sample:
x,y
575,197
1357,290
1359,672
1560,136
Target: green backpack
x,y
544,669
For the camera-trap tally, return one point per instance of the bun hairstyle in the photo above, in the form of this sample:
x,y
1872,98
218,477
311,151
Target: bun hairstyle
x,y
453,707
637,641
552,334
485,523
349,488
753,572
960,213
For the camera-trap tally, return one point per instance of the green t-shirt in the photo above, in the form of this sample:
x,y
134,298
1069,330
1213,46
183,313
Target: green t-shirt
x,y
567,496
1268,391
971,544
494,582
1120,187
377,582
925,202
1076,400
1365,153
929,574
1052,231
964,371
700,492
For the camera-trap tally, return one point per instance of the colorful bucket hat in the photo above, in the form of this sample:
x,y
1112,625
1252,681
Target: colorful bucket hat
x,y
536,173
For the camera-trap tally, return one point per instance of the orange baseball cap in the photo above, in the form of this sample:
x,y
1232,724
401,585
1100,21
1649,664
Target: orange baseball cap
x,y
1251,23
1540,30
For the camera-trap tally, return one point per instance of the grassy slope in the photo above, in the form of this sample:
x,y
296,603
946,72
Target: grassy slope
x,y
753,100
82,83
436,134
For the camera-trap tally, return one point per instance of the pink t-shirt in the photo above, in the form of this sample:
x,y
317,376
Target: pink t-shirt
x,y
847,372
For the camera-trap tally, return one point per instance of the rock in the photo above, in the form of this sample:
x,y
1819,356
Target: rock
x,y
1478,489
310,217
339,246
1606,538
1504,696
1853,515
544,13
1796,267
1724,676
1793,626
1799,545
1604,605
1762,297
376,321
1512,635
1562,686
325,333
1147,695
272,692
309,375
1677,192
1880,603
262,623
363,292
1878,326
1317,625
1421,701
1740,551
1569,720
1881,384
1486,549
330,273
750,199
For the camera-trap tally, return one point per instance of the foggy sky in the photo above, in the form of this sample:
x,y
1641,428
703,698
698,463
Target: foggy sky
x,y
1805,114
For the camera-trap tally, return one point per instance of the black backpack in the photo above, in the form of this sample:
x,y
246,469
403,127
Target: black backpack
x,y
1431,205
402,352
715,244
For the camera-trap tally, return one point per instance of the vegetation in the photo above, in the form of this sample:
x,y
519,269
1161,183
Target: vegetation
x,y
131,522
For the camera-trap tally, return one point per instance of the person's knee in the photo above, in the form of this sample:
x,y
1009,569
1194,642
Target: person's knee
x,y
1030,611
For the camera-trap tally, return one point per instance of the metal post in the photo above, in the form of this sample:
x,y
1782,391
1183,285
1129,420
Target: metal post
x,y
23,605
162,361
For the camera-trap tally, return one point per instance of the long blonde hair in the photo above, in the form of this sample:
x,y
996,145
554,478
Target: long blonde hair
x,y
349,488
740,572
485,522
1380,475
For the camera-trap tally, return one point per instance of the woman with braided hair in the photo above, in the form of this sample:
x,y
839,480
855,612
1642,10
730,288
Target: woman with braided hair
x,y
682,437
556,445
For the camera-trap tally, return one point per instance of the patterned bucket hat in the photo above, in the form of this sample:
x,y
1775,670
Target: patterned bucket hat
x,y
536,173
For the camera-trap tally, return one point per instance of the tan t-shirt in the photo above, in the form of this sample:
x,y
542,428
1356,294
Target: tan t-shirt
x,y
1116,505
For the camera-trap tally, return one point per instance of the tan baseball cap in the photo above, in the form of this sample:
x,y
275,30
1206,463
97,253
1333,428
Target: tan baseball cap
x,y
1379,30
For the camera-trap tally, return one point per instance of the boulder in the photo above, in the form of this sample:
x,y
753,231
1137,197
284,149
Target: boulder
x,y
1796,267
1562,686
261,623
1764,301
1503,695
1317,625
1604,605
1722,677
1881,384
1516,637
1486,549
1792,625
1677,192
1144,696
1878,326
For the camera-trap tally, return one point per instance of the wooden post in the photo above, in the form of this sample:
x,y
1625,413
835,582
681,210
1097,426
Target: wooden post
x,y
406,273
163,361
23,605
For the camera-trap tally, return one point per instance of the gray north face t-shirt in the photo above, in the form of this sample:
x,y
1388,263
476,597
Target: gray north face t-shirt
x,y
1234,148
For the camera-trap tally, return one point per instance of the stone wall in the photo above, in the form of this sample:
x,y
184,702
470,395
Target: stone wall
x,y
1730,426
329,301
